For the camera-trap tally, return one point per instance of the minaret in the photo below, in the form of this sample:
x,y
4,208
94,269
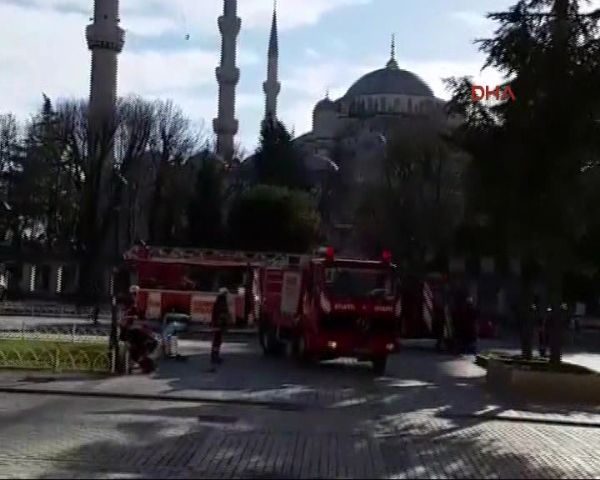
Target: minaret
x,y
105,39
272,86
228,76
392,64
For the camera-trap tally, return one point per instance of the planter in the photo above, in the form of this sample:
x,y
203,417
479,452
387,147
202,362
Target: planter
x,y
536,363
572,384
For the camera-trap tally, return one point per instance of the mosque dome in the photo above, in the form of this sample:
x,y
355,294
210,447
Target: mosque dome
x,y
325,105
390,80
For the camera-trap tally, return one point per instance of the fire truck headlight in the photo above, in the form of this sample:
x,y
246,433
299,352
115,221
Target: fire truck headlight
x,y
332,345
390,347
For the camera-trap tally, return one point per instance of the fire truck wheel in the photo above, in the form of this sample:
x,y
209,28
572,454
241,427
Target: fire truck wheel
x,y
300,352
268,341
379,364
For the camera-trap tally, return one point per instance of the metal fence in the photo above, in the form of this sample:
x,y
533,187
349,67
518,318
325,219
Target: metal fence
x,y
48,310
61,348
58,333
57,359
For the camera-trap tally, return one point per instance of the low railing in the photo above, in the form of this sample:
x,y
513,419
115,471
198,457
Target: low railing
x,y
61,348
58,333
50,310
57,359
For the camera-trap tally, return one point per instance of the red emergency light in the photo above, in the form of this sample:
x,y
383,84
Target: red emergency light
x,y
329,253
386,256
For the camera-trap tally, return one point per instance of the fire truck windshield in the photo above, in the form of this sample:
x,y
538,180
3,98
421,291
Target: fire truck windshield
x,y
358,283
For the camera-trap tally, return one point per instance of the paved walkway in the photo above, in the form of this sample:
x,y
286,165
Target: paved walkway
x,y
246,377
429,417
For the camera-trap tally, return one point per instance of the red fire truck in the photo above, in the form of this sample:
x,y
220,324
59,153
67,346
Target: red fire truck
x,y
187,281
324,307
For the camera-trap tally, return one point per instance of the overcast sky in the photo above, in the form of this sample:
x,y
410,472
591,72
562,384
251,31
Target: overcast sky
x,y
323,44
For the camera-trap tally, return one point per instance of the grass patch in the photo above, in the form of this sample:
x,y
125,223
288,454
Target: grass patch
x,y
71,356
538,364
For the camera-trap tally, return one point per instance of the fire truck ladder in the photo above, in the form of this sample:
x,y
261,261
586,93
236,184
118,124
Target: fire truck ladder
x,y
265,258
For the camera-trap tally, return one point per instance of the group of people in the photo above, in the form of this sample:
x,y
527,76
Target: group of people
x,y
142,341
455,322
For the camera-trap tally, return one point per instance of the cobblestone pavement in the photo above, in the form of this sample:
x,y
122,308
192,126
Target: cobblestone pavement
x,y
419,421
76,438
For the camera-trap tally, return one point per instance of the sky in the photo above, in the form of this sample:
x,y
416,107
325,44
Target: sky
x,y
324,45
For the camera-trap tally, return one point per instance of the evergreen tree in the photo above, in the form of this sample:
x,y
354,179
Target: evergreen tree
x,y
205,208
277,161
532,157
268,218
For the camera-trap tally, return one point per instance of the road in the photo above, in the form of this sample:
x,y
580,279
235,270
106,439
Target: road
x,y
341,422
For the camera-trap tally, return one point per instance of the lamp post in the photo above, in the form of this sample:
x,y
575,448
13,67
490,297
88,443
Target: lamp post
x,y
114,326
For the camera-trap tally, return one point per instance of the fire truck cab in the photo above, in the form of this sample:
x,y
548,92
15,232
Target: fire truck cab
x,y
323,307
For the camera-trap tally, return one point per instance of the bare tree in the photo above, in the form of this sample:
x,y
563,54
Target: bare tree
x,y
99,163
83,178
173,143
416,205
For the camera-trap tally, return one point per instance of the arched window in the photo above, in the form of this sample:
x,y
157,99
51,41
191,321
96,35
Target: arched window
x,y
383,104
409,106
397,104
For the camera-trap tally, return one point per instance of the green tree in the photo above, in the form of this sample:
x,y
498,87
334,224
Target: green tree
x,y
270,218
531,158
50,182
205,215
172,143
277,161
415,207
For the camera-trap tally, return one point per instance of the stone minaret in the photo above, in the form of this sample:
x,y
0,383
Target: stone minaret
x,y
228,76
105,39
272,86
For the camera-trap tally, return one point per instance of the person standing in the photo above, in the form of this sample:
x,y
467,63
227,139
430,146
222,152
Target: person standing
x,y
220,320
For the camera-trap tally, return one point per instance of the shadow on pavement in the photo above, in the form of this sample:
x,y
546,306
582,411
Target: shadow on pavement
x,y
290,447
411,423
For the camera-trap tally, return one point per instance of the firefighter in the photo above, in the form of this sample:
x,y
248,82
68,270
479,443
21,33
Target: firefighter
x,y
220,320
139,337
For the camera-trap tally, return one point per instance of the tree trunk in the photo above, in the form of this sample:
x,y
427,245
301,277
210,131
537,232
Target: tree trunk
x,y
555,324
526,320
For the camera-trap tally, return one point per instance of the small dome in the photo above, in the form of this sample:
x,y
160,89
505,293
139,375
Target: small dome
x,y
320,163
325,105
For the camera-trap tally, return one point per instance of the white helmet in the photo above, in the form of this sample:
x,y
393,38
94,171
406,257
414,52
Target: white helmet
x,y
223,291
134,289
